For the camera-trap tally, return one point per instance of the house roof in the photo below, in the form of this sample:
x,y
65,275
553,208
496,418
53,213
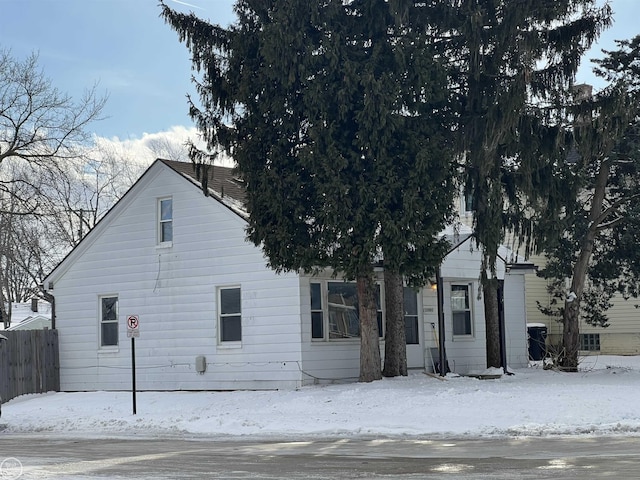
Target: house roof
x,y
222,183
36,322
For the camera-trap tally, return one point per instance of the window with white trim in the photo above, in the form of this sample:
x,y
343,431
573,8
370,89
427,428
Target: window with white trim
x,y
343,310
411,316
335,313
230,314
109,321
317,314
165,220
461,316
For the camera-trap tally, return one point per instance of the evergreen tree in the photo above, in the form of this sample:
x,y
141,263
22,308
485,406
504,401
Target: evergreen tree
x,y
336,115
594,243
509,60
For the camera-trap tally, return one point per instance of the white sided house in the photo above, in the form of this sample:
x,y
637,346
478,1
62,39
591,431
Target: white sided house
x,y
210,315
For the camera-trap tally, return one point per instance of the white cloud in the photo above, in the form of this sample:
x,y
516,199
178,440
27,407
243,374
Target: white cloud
x,y
170,144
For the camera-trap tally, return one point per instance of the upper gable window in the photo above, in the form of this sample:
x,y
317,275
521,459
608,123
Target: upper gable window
x,y
165,220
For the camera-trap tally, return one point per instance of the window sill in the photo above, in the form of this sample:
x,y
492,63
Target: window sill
x,y
106,350
463,338
164,245
229,345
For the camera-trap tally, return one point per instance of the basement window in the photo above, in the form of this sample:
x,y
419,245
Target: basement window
x,y
590,342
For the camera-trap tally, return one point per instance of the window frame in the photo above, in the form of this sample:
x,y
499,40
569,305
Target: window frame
x,y
221,316
468,310
319,312
590,342
410,315
161,222
322,315
102,322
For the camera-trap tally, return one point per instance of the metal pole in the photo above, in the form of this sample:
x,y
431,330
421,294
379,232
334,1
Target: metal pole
x,y
133,372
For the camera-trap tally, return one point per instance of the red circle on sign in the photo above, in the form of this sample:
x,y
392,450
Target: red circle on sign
x,y
132,322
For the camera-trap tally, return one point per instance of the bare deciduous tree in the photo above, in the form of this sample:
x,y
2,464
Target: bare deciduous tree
x,y
41,129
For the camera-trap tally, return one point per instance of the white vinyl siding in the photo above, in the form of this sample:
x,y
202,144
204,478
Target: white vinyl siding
x,y
174,291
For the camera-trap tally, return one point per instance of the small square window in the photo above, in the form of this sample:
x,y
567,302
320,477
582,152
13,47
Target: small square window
x,y
590,342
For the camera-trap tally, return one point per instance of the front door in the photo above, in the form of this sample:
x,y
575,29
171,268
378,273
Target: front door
x,y
415,342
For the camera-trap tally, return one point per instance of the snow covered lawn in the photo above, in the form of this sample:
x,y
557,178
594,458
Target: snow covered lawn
x,y
604,398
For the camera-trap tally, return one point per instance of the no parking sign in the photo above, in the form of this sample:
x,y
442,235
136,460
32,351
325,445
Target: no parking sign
x,y
133,322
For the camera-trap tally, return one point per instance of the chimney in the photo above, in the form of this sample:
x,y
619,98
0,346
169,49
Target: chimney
x,y
34,305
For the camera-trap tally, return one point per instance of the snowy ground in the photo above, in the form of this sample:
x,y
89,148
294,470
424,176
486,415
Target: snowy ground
x,y
604,398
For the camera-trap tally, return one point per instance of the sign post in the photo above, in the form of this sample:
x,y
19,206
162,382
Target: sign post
x,y
133,322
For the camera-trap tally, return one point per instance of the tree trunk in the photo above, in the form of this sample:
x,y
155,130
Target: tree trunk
x,y
395,345
571,314
492,320
570,336
370,368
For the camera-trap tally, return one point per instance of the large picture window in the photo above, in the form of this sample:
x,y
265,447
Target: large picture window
x,y
335,311
461,310
109,321
230,314
344,320
165,220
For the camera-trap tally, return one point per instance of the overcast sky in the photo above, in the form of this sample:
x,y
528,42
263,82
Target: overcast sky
x,y
135,58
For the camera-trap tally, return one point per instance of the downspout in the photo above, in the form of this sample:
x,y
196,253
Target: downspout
x,y
502,329
53,311
52,300
441,329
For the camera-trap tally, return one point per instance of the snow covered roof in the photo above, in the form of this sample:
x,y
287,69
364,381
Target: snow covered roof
x,y
24,318
35,322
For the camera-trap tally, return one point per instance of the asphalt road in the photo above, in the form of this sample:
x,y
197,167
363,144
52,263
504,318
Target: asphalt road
x,y
55,457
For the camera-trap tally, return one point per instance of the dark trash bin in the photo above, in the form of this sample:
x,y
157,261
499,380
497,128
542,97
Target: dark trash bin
x,y
537,333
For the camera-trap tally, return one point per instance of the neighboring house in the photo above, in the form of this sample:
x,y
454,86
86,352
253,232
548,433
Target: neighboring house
x,y
34,315
34,322
213,316
621,337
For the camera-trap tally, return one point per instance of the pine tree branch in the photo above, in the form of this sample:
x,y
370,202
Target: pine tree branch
x,y
611,209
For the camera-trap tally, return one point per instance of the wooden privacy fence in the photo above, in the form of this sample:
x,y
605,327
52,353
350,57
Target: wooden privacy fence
x,y
29,363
